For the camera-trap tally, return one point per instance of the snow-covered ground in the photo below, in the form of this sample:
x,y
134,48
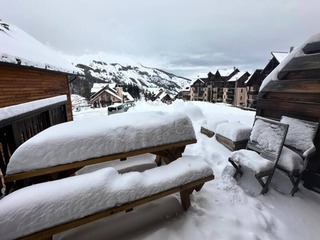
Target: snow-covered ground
x,y
223,209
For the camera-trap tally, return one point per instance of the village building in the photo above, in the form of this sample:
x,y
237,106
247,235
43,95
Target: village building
x,y
235,92
165,98
252,87
197,90
184,94
106,94
226,85
216,84
30,71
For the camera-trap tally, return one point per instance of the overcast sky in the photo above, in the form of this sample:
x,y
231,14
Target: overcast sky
x,y
185,37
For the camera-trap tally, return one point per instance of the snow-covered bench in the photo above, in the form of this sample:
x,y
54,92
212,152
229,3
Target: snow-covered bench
x,y
71,145
233,136
56,206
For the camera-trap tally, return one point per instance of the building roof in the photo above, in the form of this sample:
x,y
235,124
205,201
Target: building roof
x,y
280,56
237,76
254,76
128,96
97,87
19,48
226,72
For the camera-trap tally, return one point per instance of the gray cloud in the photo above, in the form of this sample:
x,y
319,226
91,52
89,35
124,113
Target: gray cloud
x,y
181,34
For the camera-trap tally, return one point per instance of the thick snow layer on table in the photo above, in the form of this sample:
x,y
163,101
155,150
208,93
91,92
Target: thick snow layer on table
x,y
267,136
18,47
290,160
300,133
297,52
90,138
252,160
15,110
44,205
235,131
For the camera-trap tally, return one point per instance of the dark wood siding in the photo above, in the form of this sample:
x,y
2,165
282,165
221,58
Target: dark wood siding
x,y
296,94
20,85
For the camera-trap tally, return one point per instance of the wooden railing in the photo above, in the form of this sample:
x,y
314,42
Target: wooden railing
x,y
16,130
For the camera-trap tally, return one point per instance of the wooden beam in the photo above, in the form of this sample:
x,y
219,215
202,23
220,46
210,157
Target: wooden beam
x,y
294,86
311,48
308,62
298,108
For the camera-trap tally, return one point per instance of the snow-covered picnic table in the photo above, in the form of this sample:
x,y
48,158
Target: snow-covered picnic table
x,y
75,144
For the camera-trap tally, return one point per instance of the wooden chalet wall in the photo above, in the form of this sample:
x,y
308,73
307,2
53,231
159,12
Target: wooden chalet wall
x,y
22,84
296,94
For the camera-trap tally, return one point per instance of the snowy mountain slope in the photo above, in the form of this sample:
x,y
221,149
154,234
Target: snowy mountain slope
x,y
139,75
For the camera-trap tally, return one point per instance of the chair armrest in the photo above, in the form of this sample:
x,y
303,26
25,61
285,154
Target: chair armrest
x,y
309,152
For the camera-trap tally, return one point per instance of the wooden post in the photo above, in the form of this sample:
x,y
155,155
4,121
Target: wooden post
x,y
185,198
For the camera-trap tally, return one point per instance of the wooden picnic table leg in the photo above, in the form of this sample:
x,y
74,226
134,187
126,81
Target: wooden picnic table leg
x,y
168,155
158,160
185,198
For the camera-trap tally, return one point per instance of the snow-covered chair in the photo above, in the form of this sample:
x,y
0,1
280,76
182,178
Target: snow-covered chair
x,y
298,148
262,152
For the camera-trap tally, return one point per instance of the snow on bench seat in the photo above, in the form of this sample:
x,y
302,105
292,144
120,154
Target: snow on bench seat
x,y
41,206
91,138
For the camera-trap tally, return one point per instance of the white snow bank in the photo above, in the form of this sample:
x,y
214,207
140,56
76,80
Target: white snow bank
x,y
235,131
297,52
44,205
300,133
15,110
252,160
213,123
192,110
76,141
18,47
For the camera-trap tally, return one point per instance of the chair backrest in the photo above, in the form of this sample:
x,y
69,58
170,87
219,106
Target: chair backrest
x,y
300,133
267,138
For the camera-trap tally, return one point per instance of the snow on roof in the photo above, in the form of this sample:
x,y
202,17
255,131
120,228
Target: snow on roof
x,y
198,79
15,110
297,52
113,94
226,72
237,76
108,135
128,96
163,94
18,47
112,85
280,56
97,87
155,90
